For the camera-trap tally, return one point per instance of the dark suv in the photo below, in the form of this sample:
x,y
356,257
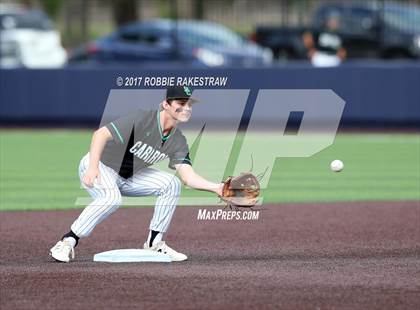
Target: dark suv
x,y
372,29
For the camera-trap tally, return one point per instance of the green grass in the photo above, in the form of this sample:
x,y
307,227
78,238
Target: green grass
x,y
376,167
38,170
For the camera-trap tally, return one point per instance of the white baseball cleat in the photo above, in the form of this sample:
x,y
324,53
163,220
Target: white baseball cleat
x,y
162,247
62,251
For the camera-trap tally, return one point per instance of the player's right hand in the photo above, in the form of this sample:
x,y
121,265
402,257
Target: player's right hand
x,y
90,176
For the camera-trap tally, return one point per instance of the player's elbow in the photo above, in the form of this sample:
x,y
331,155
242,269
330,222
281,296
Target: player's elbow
x,y
185,180
187,177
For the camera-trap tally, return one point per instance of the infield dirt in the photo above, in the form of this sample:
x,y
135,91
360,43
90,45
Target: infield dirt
x,y
362,255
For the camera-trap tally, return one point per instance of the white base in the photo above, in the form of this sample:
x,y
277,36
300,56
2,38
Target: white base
x,y
130,256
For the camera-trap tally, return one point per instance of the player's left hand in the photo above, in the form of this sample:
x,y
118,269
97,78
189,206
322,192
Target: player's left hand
x,y
242,190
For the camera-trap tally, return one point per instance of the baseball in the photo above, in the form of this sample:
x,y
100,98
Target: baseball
x,y
336,165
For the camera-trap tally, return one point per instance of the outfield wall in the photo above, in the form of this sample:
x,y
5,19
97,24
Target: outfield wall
x,y
375,95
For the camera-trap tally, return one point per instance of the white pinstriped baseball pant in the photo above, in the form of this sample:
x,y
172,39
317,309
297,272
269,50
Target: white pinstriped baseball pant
x,y
107,196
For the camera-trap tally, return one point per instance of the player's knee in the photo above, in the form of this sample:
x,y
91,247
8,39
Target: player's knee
x,y
173,186
113,198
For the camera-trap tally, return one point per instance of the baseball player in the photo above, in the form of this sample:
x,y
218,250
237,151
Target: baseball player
x,y
118,164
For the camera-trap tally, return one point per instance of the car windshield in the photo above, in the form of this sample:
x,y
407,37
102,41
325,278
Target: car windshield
x,y
403,17
207,35
30,20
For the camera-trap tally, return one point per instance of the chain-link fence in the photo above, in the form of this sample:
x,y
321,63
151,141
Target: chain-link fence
x,y
82,20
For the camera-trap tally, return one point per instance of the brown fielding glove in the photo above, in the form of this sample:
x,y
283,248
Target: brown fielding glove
x,y
241,191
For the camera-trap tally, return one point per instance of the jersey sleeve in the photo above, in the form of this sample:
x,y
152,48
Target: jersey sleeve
x,y
122,127
181,155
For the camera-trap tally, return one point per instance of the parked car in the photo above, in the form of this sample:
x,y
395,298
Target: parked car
x,y
197,43
28,39
371,29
